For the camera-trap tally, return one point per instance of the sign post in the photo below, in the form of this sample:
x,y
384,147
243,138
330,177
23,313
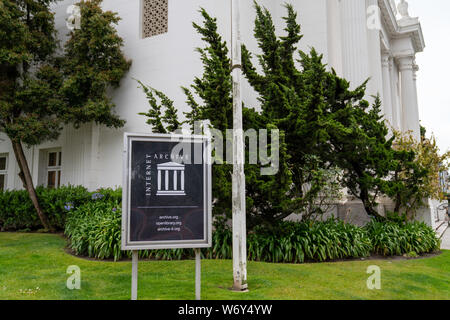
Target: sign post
x,y
198,275
134,274
238,181
166,196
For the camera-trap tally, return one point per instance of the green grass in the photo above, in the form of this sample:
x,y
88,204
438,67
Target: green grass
x,y
28,261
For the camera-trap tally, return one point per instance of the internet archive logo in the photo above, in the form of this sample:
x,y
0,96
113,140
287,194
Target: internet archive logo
x,y
168,186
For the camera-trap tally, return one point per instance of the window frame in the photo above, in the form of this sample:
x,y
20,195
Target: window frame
x,y
4,172
56,168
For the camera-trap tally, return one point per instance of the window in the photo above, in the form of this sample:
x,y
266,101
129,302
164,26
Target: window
x,y
3,171
155,17
54,169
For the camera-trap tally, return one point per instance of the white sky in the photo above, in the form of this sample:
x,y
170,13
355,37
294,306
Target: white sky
x,y
434,75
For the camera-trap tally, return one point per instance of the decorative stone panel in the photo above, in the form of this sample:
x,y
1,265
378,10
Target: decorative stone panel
x,y
155,17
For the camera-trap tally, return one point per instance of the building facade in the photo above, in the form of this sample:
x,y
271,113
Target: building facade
x,y
360,39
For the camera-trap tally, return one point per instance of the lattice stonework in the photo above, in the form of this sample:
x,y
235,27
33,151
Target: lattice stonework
x,y
155,17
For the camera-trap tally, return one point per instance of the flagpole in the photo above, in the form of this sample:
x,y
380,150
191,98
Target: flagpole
x,y
238,179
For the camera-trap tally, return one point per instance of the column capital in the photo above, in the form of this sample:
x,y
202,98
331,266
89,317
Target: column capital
x,y
406,63
391,63
415,69
385,59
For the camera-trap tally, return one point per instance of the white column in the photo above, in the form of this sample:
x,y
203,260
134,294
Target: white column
x,y
372,18
396,107
415,69
182,180
167,180
410,108
387,91
334,36
355,41
175,180
159,180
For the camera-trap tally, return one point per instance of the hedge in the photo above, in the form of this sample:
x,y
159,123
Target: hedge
x,y
92,223
94,230
17,211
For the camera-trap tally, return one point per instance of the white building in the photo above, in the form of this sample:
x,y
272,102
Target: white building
x,y
161,43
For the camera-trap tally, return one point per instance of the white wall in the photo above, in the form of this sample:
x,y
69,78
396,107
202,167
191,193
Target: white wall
x,y
169,61
92,156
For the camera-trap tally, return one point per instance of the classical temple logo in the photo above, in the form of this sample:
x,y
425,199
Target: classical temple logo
x,y
168,186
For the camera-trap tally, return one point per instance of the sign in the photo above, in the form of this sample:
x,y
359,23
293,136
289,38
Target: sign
x,y
166,192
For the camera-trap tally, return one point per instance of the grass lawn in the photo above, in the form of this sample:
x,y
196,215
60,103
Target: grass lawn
x,y
30,261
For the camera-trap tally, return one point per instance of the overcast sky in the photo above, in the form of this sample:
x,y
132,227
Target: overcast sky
x,y
434,75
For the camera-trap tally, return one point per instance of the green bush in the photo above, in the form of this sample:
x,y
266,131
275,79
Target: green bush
x,y
309,241
94,229
17,211
394,238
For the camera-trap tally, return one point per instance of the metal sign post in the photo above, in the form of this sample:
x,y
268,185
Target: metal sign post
x,y
238,180
134,274
198,275
166,196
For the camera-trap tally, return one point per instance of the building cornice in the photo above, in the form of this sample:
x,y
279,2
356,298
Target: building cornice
x,y
404,28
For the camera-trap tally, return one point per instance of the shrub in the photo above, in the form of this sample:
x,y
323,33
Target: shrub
x,y
109,194
309,241
393,238
94,229
17,211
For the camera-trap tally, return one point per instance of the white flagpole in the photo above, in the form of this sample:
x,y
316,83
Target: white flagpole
x,y
238,180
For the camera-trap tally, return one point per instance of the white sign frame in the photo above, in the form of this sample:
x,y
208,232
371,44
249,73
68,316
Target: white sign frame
x,y
127,244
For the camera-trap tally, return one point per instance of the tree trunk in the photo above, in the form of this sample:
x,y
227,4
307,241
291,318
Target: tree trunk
x,y
27,181
397,204
364,196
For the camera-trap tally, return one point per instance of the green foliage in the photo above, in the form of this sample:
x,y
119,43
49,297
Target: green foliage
x,y
392,238
29,80
42,88
155,115
415,172
94,230
363,151
320,116
110,194
330,135
17,211
266,195
34,102
311,241
94,62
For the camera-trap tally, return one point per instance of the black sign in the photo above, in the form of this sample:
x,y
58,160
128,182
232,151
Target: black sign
x,y
167,192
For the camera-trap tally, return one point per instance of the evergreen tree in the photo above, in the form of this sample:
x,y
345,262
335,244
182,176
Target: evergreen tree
x,y
29,95
266,195
40,91
320,115
328,131
94,62
360,147
298,98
